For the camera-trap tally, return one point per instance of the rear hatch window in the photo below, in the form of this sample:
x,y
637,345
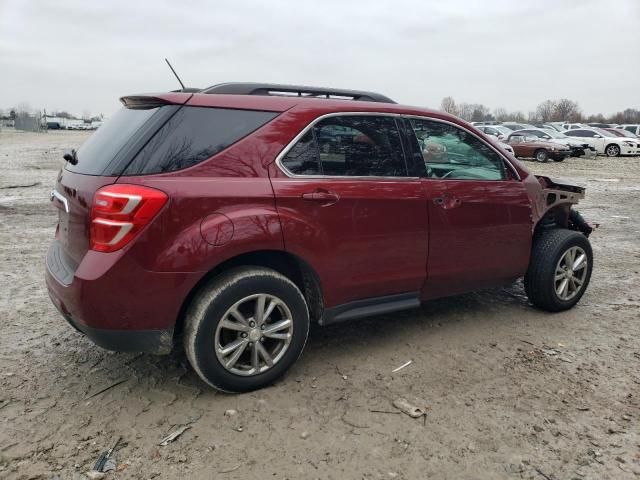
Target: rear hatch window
x,y
158,139
194,134
101,149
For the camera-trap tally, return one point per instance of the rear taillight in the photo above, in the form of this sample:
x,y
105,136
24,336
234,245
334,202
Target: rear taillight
x,y
119,212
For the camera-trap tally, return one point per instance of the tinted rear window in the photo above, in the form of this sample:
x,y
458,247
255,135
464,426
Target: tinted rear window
x,y
98,151
194,134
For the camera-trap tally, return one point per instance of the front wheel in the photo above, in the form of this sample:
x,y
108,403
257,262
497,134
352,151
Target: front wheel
x,y
559,270
612,150
245,328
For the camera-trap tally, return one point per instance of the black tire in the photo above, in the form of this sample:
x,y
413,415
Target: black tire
x,y
213,301
559,159
612,150
541,155
547,251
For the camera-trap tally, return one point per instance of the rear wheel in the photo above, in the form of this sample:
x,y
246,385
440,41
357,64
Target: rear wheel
x,y
245,329
541,155
612,150
559,270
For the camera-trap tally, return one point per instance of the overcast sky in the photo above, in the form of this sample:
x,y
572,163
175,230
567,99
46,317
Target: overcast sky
x,y
83,55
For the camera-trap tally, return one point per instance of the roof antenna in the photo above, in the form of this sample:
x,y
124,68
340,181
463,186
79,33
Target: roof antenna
x,y
174,72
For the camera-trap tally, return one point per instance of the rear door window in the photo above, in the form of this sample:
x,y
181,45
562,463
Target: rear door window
x,y
193,135
349,146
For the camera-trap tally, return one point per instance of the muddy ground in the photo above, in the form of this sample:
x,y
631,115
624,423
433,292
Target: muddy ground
x,y
512,392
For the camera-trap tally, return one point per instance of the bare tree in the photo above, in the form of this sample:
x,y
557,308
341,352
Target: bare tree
x,y
567,110
449,105
545,110
500,114
465,111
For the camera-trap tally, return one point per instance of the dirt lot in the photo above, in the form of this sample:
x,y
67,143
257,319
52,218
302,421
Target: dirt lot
x,y
512,392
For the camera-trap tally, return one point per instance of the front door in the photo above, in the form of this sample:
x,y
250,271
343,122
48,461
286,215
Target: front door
x,y
479,212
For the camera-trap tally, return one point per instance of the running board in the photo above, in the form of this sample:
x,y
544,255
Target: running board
x,y
370,307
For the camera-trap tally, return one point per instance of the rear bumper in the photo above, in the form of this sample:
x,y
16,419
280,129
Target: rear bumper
x,y
115,302
159,342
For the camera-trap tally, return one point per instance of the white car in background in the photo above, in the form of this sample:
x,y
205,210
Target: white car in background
x,y
604,142
498,131
630,127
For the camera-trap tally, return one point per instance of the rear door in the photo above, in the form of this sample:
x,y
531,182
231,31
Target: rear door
x,y
348,206
479,212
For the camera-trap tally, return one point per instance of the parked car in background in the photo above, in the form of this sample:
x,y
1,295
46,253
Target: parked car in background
x,y
606,143
622,133
499,131
517,126
231,218
631,127
572,126
507,147
602,125
526,146
578,149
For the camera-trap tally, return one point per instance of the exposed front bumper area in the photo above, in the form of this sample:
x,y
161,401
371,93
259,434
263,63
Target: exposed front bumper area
x,y
559,154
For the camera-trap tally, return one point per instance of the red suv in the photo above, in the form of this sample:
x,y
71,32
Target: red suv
x,y
233,217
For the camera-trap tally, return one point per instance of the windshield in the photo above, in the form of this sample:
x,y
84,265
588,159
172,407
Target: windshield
x,y
554,134
503,130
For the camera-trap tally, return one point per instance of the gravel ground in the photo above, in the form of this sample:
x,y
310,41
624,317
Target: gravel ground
x,y
510,392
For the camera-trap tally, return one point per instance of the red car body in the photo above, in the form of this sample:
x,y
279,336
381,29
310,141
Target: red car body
x,y
354,239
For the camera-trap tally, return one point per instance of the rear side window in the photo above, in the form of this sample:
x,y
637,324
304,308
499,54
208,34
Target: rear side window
x,y
349,146
193,135
100,149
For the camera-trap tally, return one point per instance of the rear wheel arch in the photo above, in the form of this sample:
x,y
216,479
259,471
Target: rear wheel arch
x,y
291,266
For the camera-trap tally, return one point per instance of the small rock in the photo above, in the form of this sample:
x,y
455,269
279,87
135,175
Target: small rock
x,y
182,458
626,418
392,474
95,475
538,428
230,413
305,435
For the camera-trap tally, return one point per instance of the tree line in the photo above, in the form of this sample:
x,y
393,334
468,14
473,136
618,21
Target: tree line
x,y
547,111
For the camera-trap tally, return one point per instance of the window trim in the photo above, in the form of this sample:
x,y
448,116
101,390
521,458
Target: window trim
x,y
295,139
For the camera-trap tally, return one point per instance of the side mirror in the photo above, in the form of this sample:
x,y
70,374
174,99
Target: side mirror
x,y
546,137
597,136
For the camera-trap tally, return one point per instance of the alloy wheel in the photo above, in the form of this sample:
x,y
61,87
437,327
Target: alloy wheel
x,y
254,334
613,151
571,272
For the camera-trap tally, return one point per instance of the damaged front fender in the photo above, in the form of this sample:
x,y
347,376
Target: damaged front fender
x,y
553,200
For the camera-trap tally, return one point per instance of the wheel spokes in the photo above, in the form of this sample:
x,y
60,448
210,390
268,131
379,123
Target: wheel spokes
x,y
233,325
272,329
562,288
258,315
230,347
236,355
580,263
264,354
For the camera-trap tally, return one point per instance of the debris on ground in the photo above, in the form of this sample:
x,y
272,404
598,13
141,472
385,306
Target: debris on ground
x,y
402,366
106,462
411,409
27,185
173,435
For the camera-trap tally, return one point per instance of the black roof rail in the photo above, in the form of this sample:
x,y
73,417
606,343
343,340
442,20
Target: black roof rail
x,y
238,88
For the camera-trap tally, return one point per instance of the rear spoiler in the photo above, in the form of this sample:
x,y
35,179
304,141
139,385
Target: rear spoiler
x,y
146,101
